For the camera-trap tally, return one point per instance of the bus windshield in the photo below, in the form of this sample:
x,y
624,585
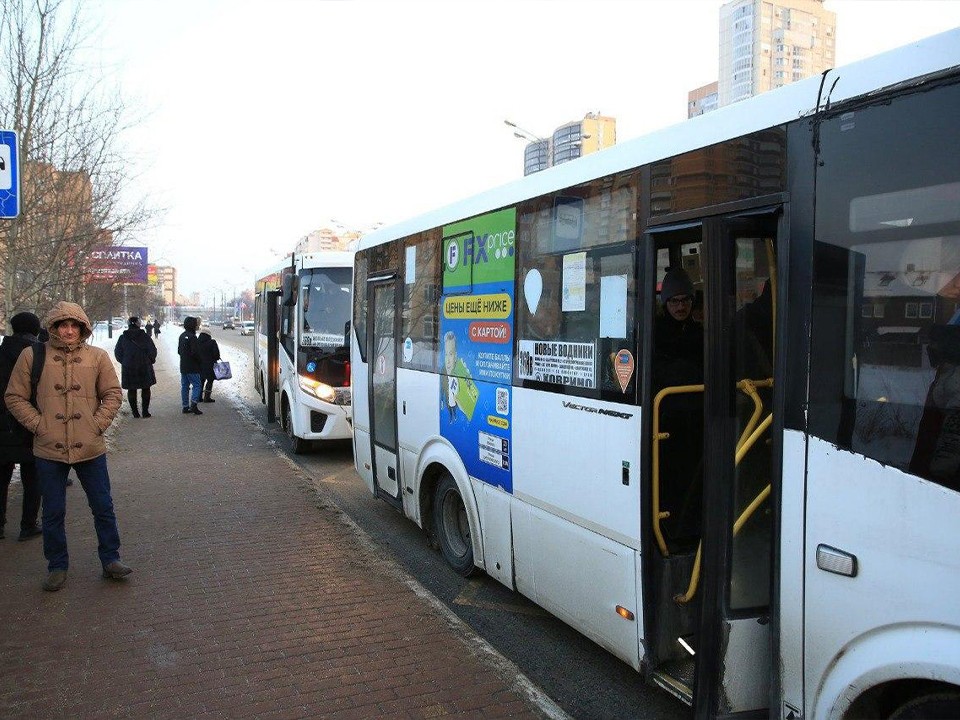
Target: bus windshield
x,y
326,306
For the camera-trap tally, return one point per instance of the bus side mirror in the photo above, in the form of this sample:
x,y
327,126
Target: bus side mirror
x,y
290,291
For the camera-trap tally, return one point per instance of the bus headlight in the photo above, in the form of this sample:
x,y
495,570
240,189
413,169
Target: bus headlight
x,y
327,393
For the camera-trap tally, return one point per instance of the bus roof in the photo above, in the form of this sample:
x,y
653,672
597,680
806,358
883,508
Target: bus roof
x,y
800,99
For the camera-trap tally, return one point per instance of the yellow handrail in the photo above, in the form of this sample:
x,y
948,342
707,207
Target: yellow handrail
x,y
657,438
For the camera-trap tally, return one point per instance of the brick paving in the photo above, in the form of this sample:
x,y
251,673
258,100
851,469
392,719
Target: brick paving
x,y
252,597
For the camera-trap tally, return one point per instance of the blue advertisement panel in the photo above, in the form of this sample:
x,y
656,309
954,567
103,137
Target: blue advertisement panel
x,y
119,264
9,175
476,349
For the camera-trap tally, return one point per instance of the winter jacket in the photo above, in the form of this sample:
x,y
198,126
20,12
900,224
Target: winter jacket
x,y
136,354
78,395
187,348
209,354
16,442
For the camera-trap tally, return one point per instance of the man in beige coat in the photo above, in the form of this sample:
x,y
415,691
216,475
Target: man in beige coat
x,y
77,398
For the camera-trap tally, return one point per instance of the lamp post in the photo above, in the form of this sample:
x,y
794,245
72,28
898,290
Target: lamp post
x,y
519,132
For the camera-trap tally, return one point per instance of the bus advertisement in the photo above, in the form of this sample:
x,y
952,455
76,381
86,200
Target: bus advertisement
x,y
694,394
311,376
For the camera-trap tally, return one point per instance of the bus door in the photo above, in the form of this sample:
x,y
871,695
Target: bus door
x,y
710,460
383,389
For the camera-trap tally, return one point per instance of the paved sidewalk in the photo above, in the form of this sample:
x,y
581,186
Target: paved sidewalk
x,y
252,596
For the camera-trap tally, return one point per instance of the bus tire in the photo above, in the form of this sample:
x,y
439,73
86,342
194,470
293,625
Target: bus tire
x,y
451,527
297,444
927,707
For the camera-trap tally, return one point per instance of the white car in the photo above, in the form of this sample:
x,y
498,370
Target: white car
x,y
246,327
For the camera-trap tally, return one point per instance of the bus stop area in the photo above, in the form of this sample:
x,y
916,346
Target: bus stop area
x,y
252,595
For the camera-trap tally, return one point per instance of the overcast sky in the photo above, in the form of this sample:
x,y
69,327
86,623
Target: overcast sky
x,y
267,120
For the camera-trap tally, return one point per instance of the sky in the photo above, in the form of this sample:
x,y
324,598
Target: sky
x,y
259,122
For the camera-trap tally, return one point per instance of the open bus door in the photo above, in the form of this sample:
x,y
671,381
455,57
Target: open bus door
x,y
708,610
382,379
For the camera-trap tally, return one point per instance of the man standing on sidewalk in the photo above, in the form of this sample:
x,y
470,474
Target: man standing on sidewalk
x,y
77,398
190,365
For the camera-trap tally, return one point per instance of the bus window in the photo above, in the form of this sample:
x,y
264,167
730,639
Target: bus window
x,y
419,321
360,302
325,306
886,334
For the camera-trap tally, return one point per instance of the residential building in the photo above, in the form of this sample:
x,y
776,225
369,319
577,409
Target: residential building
x,y
167,284
702,100
570,141
766,44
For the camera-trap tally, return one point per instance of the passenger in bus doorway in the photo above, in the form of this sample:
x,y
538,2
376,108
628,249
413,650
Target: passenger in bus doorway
x,y
678,361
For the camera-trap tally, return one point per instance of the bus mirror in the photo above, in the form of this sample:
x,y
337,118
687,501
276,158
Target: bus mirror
x,y
290,291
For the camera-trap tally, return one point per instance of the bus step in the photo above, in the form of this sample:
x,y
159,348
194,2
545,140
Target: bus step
x,y
676,677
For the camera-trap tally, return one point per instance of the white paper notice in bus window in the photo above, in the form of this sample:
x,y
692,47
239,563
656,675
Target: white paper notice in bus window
x,y
574,282
564,363
613,306
411,274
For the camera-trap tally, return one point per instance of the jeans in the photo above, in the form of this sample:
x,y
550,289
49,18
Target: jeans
x,y
31,493
96,484
187,380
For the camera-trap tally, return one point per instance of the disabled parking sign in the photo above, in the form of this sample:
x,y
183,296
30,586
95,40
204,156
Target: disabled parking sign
x,y
9,175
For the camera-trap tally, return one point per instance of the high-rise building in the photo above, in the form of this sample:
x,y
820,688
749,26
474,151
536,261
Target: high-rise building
x,y
702,100
570,141
766,44
167,283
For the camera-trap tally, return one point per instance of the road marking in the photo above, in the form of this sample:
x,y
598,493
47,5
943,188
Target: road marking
x,y
468,598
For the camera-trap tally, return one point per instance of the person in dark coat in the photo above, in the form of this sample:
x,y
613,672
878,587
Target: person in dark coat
x,y
678,360
16,442
148,329
136,354
156,327
209,354
190,366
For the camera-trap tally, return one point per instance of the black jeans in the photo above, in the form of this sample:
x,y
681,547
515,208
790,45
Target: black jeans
x,y
31,493
208,385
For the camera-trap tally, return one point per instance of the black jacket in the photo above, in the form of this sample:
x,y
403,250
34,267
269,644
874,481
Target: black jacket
x,y
209,354
189,353
136,353
16,442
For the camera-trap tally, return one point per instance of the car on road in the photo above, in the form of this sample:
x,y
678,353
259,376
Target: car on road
x,y
246,327
228,325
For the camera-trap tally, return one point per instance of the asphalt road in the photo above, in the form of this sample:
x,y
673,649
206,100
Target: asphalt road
x,y
582,678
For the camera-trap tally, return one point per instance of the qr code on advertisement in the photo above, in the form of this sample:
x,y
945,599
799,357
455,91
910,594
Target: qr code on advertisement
x,y
503,401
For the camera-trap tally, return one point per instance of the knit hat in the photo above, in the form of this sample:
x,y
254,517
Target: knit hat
x,y
25,322
190,323
676,282
134,321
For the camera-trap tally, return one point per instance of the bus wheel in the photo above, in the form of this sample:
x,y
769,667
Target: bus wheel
x,y
935,705
297,445
452,527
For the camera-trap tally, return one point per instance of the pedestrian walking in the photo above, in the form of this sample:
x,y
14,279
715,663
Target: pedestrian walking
x,y
156,328
136,354
209,354
190,367
77,398
16,442
148,329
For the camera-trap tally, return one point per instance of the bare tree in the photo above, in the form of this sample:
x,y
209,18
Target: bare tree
x,y
69,120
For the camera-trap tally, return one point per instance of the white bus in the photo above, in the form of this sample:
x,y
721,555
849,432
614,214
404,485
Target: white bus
x,y
311,377
770,529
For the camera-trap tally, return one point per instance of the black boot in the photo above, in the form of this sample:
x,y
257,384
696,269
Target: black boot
x,y
207,398
195,410
133,409
146,410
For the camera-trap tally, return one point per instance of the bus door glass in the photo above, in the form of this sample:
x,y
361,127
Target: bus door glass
x,y
383,388
734,669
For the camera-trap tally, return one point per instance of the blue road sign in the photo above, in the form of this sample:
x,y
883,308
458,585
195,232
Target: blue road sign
x,y
9,175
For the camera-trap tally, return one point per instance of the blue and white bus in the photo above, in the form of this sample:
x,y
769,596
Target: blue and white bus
x,y
777,533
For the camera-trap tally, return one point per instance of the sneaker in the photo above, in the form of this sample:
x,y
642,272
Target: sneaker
x,y
30,532
116,570
55,580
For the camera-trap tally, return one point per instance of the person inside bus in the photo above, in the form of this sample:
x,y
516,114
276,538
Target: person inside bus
x,y
678,360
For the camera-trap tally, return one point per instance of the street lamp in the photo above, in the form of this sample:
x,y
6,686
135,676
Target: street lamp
x,y
519,132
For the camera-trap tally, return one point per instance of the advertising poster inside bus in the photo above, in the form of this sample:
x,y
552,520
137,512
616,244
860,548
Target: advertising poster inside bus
x,y
476,330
